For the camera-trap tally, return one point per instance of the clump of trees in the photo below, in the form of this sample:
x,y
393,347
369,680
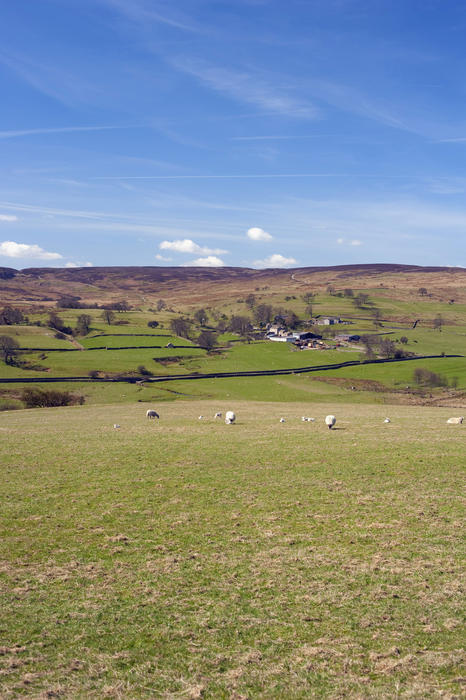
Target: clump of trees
x,y
180,327
200,316
240,324
207,340
42,398
83,324
424,377
57,323
11,317
9,348
360,300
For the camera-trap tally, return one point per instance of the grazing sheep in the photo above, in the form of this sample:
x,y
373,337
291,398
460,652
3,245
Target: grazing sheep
x,y
201,418
330,421
218,415
387,420
455,420
230,417
306,419
150,413
282,420
116,426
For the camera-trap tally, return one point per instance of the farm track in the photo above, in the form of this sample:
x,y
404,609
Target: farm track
x,y
220,375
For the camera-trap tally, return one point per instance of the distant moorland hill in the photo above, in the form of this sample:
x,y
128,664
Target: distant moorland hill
x,y
194,285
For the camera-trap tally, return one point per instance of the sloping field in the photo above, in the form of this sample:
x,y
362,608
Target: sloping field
x,y
186,558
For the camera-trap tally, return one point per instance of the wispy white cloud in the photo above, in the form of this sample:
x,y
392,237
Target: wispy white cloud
x,y
356,242
258,234
247,87
143,13
457,139
275,260
188,246
209,261
11,249
163,258
14,133
8,217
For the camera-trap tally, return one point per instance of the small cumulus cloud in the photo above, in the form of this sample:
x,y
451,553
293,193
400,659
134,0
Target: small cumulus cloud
x,y
275,260
10,249
258,234
340,241
163,258
79,264
355,241
188,246
209,261
8,217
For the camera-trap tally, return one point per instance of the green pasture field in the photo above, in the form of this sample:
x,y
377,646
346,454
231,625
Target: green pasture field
x,y
188,559
399,374
34,337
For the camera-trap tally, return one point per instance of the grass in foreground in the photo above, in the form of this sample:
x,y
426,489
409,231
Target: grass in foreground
x,y
190,559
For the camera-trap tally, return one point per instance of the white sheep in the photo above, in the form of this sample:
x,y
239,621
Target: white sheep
x,y
218,415
230,417
387,420
201,418
282,420
306,419
330,421
116,426
150,413
455,420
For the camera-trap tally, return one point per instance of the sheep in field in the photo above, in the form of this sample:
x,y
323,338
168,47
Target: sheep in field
x,y
330,421
201,418
282,420
455,420
150,413
230,417
218,415
387,420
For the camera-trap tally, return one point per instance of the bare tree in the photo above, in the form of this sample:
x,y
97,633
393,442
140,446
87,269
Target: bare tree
x,y
108,316
207,340
240,324
263,314
83,324
180,327
200,316
9,348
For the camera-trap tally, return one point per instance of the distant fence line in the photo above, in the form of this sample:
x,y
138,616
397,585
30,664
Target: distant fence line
x,y
221,375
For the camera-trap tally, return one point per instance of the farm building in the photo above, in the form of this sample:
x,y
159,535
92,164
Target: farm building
x,y
305,335
282,338
328,320
346,338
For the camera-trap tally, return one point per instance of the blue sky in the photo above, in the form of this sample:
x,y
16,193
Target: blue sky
x,y
256,133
